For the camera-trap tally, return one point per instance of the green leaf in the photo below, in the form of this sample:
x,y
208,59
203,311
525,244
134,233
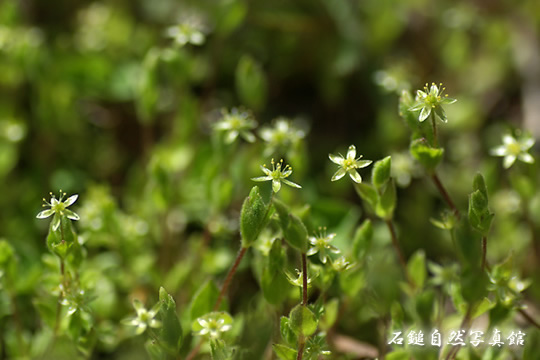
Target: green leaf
x,y
387,202
251,83
274,284
424,305
171,331
284,352
381,172
204,300
427,156
302,321
417,268
286,332
253,217
330,314
367,193
293,228
485,305
154,351
473,284
362,239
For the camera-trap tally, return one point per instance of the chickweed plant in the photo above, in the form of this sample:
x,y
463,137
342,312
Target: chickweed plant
x,y
202,223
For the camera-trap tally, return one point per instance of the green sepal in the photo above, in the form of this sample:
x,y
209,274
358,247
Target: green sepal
x,y
253,217
302,321
220,350
480,217
426,155
284,352
171,330
155,352
381,172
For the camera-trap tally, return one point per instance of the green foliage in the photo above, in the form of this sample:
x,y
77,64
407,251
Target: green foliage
x,y
253,217
302,321
426,155
160,116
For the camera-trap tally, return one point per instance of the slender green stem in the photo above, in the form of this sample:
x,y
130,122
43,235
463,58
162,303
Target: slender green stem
x,y
229,277
304,280
434,126
445,194
301,346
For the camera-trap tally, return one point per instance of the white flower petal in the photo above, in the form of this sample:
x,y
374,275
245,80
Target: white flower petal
x,y
498,151
420,94
72,215
290,183
363,163
355,176
336,159
312,251
508,139
56,222
526,157
339,174
262,178
231,136
351,153
527,143
70,200
45,214
426,111
509,161
266,170
276,185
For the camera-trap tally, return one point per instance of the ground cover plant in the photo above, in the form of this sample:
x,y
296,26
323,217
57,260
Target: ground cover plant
x,y
231,179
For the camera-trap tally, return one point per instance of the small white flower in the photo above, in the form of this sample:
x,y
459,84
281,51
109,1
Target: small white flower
x,y
58,208
431,100
213,324
349,165
321,245
236,123
277,175
144,319
513,149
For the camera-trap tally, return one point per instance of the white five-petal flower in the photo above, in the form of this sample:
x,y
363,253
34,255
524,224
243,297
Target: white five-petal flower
x,y
321,245
430,100
58,208
144,319
213,324
513,149
277,175
349,165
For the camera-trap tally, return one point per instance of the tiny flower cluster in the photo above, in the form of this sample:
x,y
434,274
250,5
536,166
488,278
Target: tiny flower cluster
x,y
458,338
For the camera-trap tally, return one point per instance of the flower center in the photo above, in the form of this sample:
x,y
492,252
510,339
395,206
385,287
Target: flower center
x,y
514,149
348,164
59,207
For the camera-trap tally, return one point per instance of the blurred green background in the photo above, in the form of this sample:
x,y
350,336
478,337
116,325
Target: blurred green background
x,y
104,100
